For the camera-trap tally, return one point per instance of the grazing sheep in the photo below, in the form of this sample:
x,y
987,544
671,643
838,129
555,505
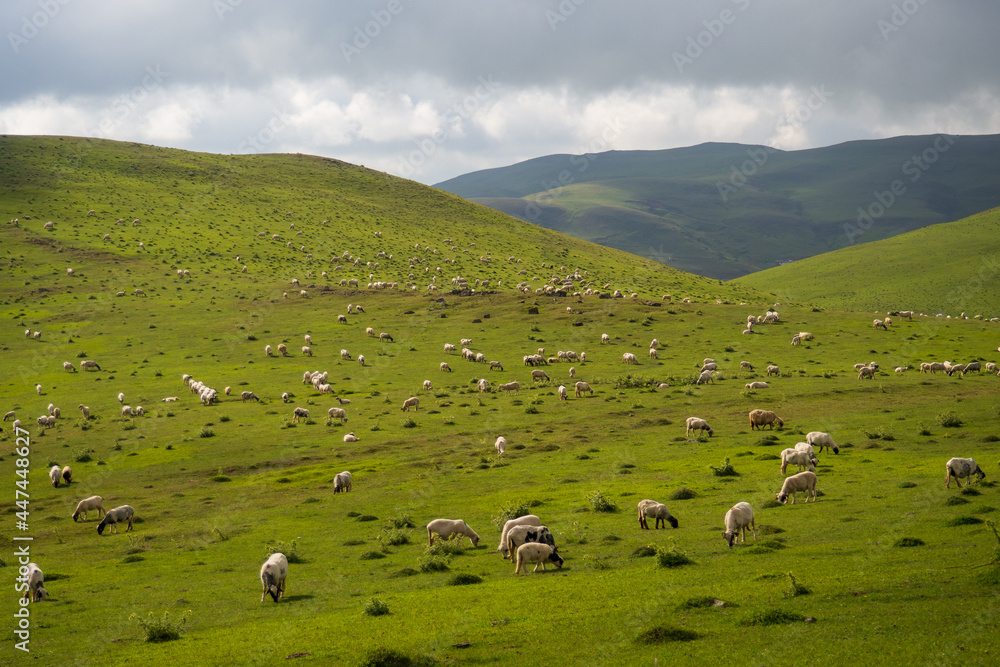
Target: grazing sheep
x,y
653,354
523,534
35,591
67,475
343,401
658,511
345,355
338,413
448,528
868,372
448,347
572,372
757,385
248,396
540,554
272,574
746,365
526,520
127,411
901,369
508,387
343,482
705,377
307,351
629,358
139,411
709,366
9,415
496,365
297,413
799,458
539,374
361,359
285,397
605,338
761,418
308,339
699,424
138,292
773,370
267,350
445,367
820,440
55,474
737,519
88,504
957,468
411,402
114,517
68,366
282,350
38,389
581,387
807,448
86,411
427,385
973,366
484,385
385,337
561,390
879,324
803,481
501,445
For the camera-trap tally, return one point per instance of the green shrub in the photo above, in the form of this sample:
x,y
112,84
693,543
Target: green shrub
x,y
682,493
444,548
384,657
949,420
671,556
162,629
644,552
465,580
402,521
371,555
795,588
963,521
908,542
433,563
394,538
772,617
725,470
956,500
600,503
661,634
205,432
291,550
906,485
376,607
409,423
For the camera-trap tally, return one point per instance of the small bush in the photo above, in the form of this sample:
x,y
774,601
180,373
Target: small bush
x,y
768,504
969,491
223,418
402,521
132,558
795,588
465,580
671,556
956,500
600,503
394,538
376,607
409,423
963,521
162,629
906,485
384,657
725,470
682,493
433,564
444,548
530,410
644,552
405,572
371,555
772,617
949,420
908,542
661,634
205,433
367,517
291,550
703,602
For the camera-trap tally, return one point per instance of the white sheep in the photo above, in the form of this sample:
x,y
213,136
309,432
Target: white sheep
x,y
653,353
411,402
86,411
35,591
361,359
798,458
342,482
298,413
761,418
448,528
658,511
757,385
427,385
525,533
88,504
272,575
773,370
540,554
705,377
803,481
958,467
582,387
737,519
501,445
539,374
445,367
496,365
526,520
697,424
67,366
307,351
55,474
121,514
9,415
605,338
127,411
484,385
282,349
746,366
67,475
820,440
562,392
338,413
448,347
139,411
629,358
350,437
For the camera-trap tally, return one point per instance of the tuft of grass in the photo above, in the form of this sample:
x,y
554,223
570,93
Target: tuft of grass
x,y
375,607
662,634
394,538
772,617
465,580
291,550
371,555
963,521
795,588
433,564
402,521
949,420
908,542
907,485
409,423
160,629
644,552
725,470
205,432
956,500
385,657
969,491
671,556
682,493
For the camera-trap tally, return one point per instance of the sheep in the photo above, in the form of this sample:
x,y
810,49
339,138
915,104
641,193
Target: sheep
x,y
67,366
501,445
118,515
51,409
605,338
445,367
867,372
248,396
582,387
448,347
342,482
411,402
448,528
350,437
282,350
139,411
298,413
38,389
337,413
496,365
88,504
709,366
957,467
267,350
540,554
820,439
901,369
55,474
37,335
879,324
561,390
973,366
138,292
343,401
307,351
272,575
361,359
629,358
34,578
796,339
508,387
773,370
738,518
572,372
653,344
803,481
465,342
651,508
86,411
9,415
427,385
699,424
385,337
539,374
757,385
526,520
127,411
523,534
799,458
653,354
991,367
67,475
705,377
761,418
484,385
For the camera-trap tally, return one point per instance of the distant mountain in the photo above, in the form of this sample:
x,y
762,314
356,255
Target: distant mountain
x,y
947,268
726,210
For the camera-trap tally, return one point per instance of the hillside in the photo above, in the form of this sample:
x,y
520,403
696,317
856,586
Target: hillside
x,y
726,210
216,488
946,268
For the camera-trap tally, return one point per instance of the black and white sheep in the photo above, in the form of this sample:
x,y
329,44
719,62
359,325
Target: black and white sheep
x,y
55,474
122,514
697,424
658,511
958,467
540,554
518,535
298,413
34,589
272,575
526,520
67,475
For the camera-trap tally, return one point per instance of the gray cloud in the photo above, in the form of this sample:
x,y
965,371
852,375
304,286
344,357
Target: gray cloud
x,y
397,84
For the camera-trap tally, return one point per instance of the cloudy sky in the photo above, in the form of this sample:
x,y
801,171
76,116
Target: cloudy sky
x,y
431,89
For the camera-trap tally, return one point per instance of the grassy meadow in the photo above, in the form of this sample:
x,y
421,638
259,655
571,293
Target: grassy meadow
x,y
217,488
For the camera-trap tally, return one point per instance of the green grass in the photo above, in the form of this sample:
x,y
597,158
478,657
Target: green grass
x,y
203,541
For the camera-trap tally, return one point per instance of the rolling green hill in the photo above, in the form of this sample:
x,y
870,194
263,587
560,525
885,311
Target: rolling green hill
x,y
726,210
947,268
217,488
